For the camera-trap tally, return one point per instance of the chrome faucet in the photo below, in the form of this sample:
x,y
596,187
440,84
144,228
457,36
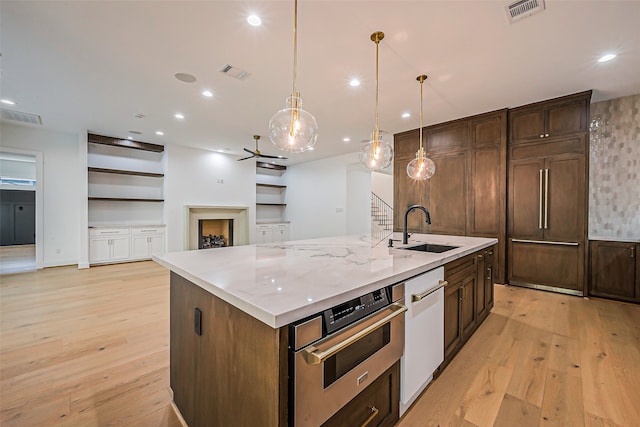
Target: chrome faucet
x,y
405,235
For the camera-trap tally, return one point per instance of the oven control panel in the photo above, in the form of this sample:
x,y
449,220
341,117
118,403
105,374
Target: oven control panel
x,y
354,310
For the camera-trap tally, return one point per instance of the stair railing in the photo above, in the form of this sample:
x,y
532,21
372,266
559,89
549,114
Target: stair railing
x,y
382,214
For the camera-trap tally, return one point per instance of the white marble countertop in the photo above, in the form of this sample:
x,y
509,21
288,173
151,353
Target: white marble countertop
x,y
280,283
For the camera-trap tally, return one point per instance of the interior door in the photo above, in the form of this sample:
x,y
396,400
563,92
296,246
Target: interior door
x,y
25,224
564,209
525,199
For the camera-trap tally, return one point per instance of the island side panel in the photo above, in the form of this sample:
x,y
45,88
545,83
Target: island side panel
x,y
235,373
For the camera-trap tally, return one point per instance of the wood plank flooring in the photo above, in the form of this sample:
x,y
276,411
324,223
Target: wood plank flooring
x,y
90,348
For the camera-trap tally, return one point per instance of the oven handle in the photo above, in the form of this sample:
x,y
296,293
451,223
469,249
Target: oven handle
x,y
314,356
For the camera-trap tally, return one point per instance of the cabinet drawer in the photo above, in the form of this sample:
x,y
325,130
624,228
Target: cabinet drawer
x,y
146,231
264,226
378,403
459,266
108,232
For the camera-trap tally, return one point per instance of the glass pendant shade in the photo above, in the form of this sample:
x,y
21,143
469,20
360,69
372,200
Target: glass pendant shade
x,y
293,129
421,167
377,154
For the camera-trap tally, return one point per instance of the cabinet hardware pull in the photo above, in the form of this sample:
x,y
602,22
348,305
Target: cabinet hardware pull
x,y
420,297
545,243
374,413
540,200
541,135
314,356
490,252
633,251
546,198
480,256
546,135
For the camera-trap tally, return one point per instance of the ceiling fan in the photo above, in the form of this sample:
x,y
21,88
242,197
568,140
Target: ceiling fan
x,y
257,154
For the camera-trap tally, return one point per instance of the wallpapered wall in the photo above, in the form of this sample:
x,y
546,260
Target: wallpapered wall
x,y
614,169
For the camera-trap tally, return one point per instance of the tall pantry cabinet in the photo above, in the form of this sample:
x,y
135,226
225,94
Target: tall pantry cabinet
x,y
547,200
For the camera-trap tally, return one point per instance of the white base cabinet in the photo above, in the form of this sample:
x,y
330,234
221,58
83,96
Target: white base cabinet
x,y
272,233
423,334
146,241
121,244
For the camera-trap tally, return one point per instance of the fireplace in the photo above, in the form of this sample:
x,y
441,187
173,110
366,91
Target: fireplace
x,y
215,233
216,226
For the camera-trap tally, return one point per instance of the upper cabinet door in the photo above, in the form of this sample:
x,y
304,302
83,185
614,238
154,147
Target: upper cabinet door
x,y
447,136
557,117
526,125
526,190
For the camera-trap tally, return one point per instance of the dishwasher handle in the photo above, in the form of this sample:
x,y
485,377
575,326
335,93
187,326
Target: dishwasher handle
x,y
420,297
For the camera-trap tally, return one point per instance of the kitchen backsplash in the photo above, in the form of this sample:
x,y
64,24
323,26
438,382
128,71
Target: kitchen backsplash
x,y
614,169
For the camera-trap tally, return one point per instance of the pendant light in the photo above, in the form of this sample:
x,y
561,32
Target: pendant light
x,y
293,129
377,154
421,168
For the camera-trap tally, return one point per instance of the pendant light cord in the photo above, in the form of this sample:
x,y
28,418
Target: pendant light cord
x,y
421,81
377,128
295,45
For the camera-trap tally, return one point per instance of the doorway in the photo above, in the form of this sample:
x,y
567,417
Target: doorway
x,y
19,171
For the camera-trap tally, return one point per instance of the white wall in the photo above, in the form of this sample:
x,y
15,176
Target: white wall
x,y
317,202
382,185
61,187
191,178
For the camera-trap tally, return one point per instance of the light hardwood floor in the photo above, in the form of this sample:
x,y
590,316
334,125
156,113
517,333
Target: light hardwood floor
x,y
90,348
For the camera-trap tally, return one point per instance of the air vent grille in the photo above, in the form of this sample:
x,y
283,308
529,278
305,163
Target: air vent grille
x,y
234,72
17,116
523,8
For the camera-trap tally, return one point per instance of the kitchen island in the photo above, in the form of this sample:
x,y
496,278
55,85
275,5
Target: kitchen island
x,y
231,307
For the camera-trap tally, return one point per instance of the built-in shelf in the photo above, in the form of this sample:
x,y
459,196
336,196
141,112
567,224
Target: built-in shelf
x,y
127,143
271,185
271,204
271,166
126,172
125,199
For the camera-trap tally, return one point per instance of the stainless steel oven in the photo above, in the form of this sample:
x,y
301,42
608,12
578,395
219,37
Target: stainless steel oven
x,y
335,354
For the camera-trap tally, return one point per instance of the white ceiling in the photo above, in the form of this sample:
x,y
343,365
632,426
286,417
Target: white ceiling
x,y
96,64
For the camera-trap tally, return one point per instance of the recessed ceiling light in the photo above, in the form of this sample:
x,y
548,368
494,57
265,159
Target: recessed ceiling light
x,y
159,132
354,82
607,57
310,148
220,150
7,101
406,115
254,20
130,137
207,93
346,139
179,116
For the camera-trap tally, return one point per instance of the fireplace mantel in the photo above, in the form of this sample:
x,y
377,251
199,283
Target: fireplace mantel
x,y
239,215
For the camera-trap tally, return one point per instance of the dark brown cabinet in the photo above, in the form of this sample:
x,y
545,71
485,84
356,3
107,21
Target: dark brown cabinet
x,y
615,270
547,194
460,316
484,294
376,406
447,194
217,373
467,194
557,117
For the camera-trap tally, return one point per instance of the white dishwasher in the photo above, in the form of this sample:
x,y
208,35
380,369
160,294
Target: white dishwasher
x,y
423,334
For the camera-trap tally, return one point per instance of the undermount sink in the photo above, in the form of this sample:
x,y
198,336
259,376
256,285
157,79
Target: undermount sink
x,y
430,247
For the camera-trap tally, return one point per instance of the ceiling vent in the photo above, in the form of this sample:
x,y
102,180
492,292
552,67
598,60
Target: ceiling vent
x,y
17,116
523,8
234,72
